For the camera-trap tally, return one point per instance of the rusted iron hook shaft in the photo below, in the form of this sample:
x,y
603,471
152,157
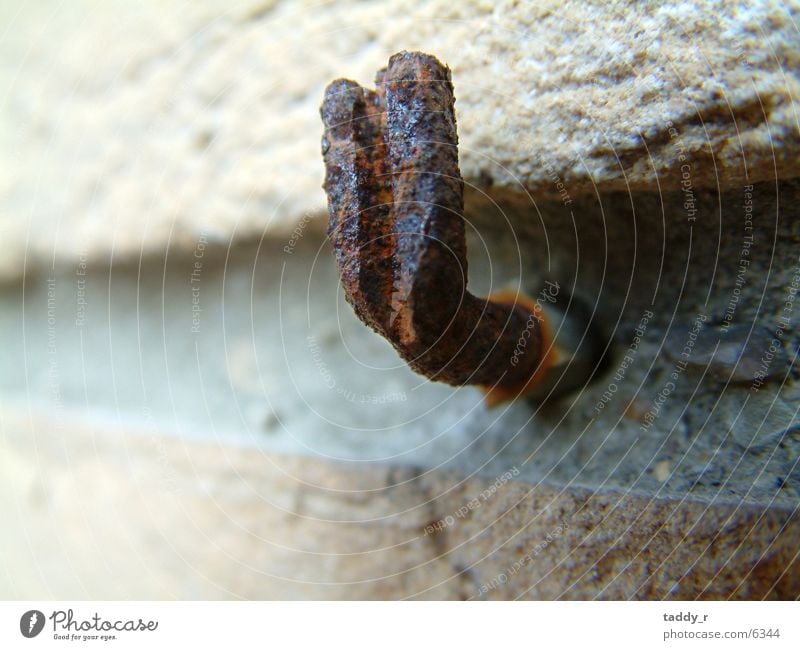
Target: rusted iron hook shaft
x,y
395,200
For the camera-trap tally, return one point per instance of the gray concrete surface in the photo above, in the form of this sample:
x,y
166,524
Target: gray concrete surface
x,y
255,345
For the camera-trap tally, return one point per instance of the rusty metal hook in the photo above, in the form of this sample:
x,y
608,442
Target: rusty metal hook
x,y
395,201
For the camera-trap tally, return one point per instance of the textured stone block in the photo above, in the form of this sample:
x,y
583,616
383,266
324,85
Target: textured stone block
x,y
146,125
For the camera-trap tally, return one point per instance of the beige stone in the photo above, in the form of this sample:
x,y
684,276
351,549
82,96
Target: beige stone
x,y
90,512
133,128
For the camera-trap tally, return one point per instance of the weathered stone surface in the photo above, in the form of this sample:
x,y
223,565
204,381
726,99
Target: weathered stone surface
x,y
278,372
93,513
274,358
134,128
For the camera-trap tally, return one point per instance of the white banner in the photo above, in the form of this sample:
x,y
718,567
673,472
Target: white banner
x,y
240,625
